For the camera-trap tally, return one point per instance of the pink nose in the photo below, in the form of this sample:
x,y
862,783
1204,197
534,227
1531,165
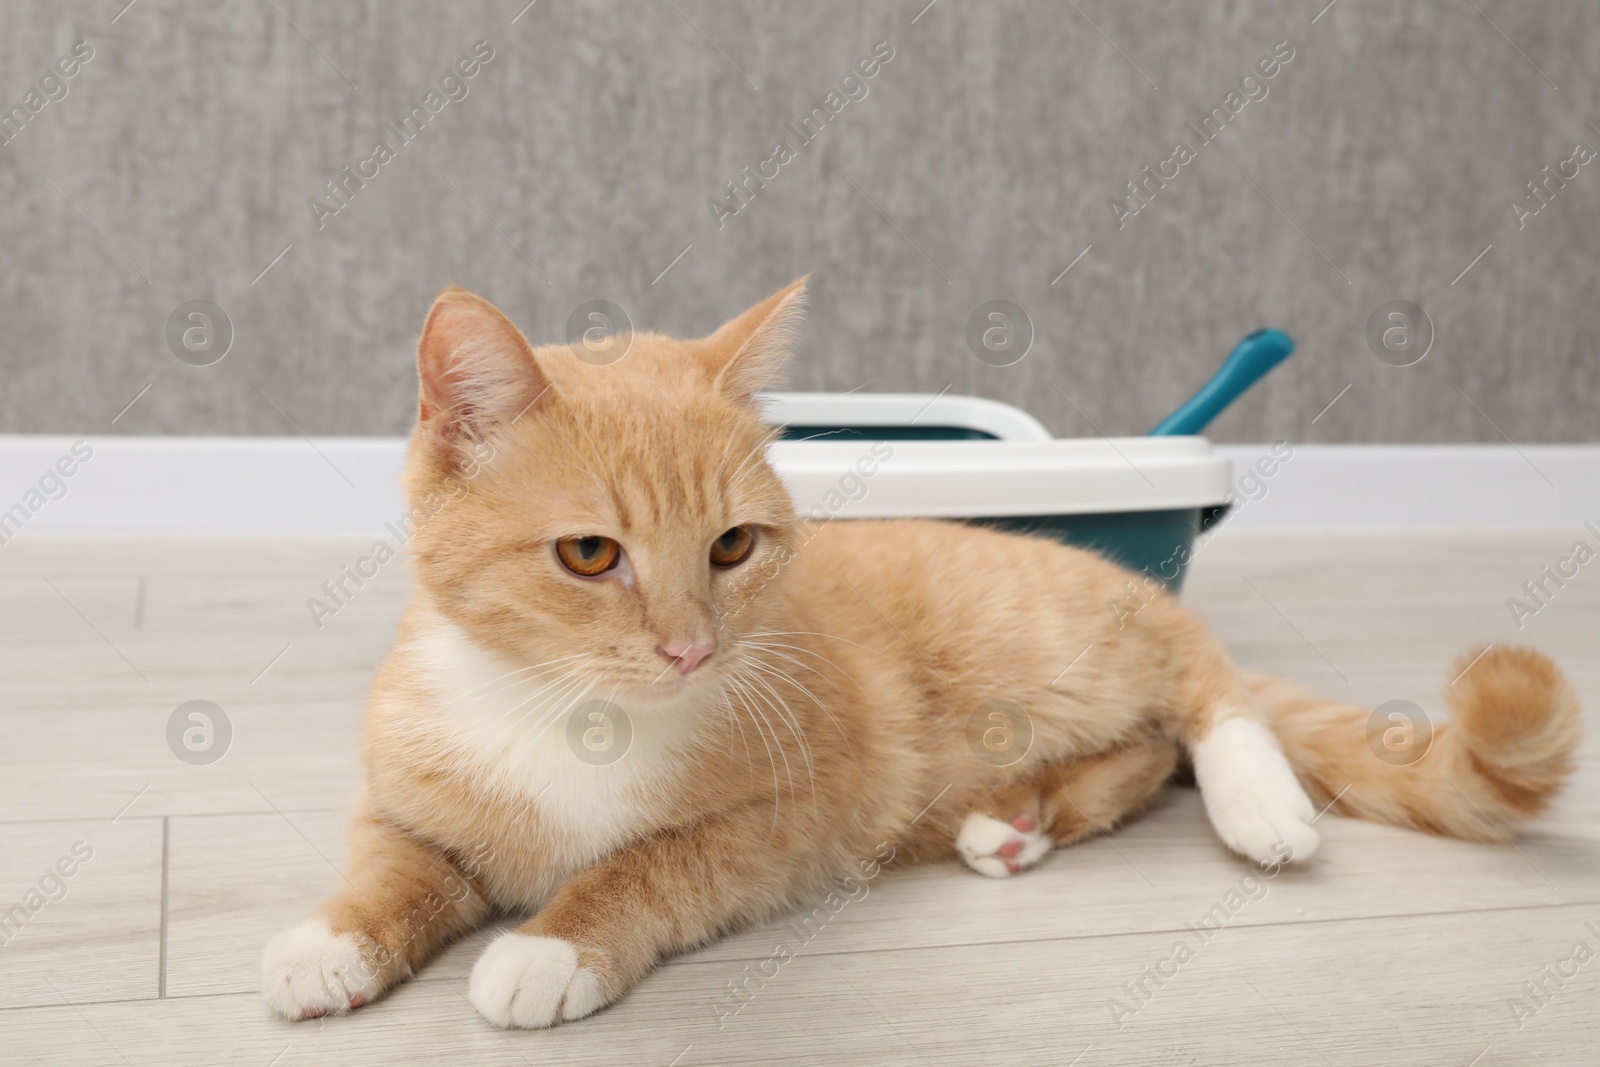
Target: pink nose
x,y
686,657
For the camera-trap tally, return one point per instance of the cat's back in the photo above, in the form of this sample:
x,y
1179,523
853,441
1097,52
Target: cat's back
x,y
910,569
962,612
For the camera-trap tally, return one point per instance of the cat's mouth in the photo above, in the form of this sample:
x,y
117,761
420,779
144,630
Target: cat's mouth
x,y
671,686
660,682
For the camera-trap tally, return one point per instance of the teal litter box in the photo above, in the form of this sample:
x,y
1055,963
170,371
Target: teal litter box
x,y
1140,501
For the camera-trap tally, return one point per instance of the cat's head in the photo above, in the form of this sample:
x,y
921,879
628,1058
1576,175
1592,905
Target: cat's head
x,y
618,521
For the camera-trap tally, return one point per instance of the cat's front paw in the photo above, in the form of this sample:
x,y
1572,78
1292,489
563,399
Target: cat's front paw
x,y
309,971
529,982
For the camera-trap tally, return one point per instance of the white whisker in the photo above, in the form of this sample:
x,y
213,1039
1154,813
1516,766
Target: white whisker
x,y
831,637
741,691
775,702
534,698
726,705
518,671
518,676
559,705
797,648
756,662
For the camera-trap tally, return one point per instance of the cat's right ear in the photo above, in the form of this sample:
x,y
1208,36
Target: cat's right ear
x,y
474,369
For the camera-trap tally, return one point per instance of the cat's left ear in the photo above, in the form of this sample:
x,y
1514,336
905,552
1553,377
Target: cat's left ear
x,y
748,352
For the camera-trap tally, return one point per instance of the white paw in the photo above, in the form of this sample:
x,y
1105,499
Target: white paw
x,y
999,849
308,971
1251,794
529,982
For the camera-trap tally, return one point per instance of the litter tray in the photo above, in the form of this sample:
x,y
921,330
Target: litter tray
x,y
1140,501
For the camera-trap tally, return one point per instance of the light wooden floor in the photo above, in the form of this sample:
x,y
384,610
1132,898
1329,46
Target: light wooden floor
x,y
1389,948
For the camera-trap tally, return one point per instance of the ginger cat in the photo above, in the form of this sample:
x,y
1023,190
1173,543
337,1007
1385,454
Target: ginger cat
x,y
796,707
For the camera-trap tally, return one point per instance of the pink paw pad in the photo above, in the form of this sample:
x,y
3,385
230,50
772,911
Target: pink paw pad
x,y
997,849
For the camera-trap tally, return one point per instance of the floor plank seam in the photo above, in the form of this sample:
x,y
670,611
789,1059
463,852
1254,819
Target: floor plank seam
x,y
161,966
171,815
1064,938
425,979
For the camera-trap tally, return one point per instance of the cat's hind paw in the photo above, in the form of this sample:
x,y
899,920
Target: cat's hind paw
x,y
1000,849
530,982
309,971
1251,794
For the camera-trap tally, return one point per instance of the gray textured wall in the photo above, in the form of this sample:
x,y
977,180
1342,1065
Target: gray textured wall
x,y
981,162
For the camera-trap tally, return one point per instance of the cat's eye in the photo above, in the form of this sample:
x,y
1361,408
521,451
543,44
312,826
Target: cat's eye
x,y
733,546
588,556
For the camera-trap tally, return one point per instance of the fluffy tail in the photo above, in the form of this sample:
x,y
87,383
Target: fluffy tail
x,y
1503,755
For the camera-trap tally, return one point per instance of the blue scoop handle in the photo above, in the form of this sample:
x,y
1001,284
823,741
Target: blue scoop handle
x,y
1258,353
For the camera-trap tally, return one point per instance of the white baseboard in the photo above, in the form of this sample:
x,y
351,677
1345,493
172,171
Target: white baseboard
x,y
256,486
209,486
1365,487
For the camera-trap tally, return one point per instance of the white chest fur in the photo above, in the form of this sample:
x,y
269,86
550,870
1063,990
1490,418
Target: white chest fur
x,y
595,784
